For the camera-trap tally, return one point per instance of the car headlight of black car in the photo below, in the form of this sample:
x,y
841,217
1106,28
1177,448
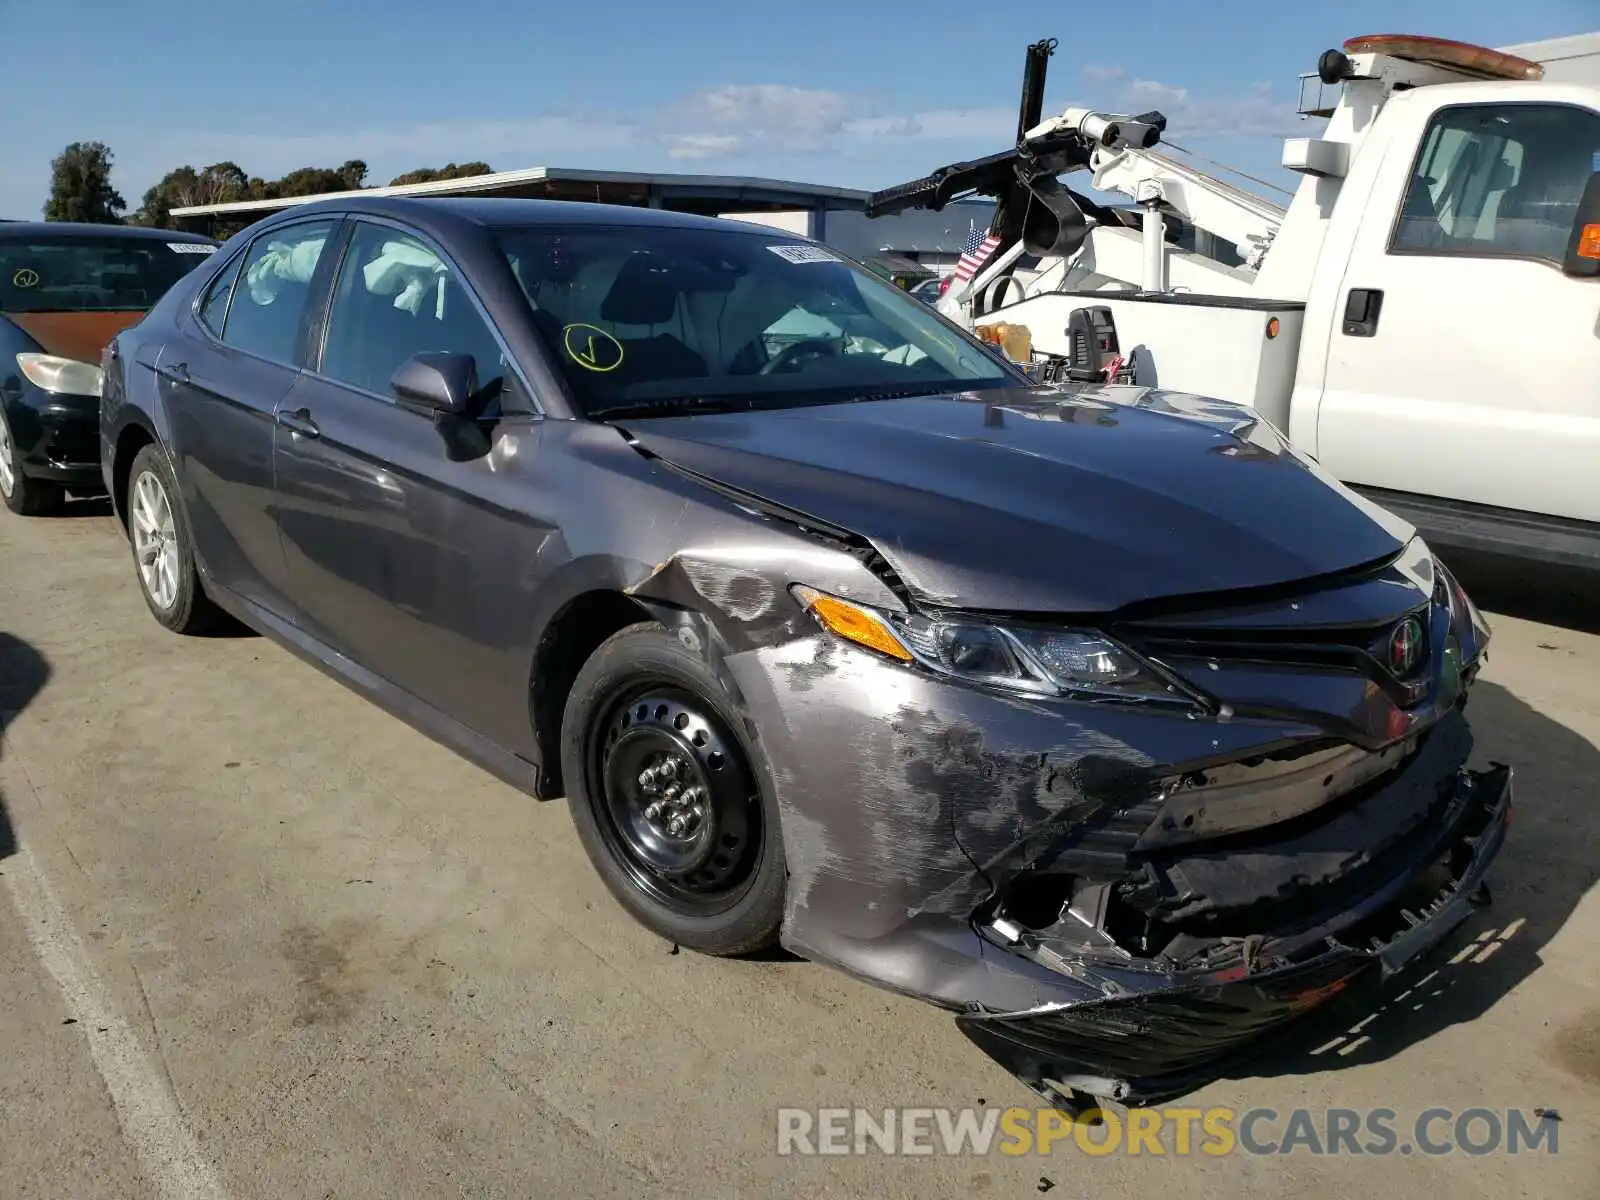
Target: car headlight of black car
x,y
63,376
1035,660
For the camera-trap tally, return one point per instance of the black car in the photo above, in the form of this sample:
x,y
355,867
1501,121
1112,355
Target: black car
x,y
1098,717
65,290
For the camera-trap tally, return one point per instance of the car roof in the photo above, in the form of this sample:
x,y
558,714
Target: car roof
x,y
504,212
28,230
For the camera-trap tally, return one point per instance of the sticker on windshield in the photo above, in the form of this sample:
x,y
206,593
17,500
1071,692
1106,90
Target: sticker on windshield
x,y
592,347
25,278
191,248
804,254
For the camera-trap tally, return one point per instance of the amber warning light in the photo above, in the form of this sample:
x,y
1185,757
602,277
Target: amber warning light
x,y
1441,52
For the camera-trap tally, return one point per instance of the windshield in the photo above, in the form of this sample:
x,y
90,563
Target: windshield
x,y
92,274
646,319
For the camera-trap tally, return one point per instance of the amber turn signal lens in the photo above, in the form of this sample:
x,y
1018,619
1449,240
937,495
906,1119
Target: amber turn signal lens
x,y
1272,328
853,623
1589,242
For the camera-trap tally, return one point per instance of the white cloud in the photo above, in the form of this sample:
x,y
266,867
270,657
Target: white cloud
x,y
989,125
1101,72
703,145
740,120
1255,112
803,118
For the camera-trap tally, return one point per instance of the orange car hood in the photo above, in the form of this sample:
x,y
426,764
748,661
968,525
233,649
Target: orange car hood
x,y
78,335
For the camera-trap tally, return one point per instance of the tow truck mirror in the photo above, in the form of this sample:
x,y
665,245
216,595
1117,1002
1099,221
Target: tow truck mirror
x,y
1583,251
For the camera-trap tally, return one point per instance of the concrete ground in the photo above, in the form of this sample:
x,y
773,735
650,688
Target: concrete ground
x,y
258,939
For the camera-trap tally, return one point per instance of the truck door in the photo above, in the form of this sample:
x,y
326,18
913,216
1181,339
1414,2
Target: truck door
x,y
1462,363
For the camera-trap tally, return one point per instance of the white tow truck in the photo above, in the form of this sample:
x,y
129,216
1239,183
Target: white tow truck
x,y
1423,318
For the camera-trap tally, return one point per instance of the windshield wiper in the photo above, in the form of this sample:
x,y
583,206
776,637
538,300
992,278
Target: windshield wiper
x,y
667,405
905,393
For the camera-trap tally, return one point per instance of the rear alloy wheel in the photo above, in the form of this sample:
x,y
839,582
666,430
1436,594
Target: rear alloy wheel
x,y
163,552
23,496
666,799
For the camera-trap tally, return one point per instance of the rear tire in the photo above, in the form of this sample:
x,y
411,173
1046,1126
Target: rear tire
x,y
667,797
24,496
163,548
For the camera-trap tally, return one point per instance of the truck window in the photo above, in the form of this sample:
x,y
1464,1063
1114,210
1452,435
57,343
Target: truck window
x,y
1498,181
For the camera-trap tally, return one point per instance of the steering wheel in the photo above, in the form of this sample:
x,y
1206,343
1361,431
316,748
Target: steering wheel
x,y
820,347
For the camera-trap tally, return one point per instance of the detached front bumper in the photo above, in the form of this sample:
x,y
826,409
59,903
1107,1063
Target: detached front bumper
x,y
1171,1033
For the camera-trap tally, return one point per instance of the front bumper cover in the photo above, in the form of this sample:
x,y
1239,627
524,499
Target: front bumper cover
x,y
57,437
1178,1031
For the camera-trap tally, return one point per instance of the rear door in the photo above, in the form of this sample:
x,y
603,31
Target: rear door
x,y
411,543
222,384
1462,362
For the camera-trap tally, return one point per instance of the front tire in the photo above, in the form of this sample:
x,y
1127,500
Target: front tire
x,y
163,548
666,796
24,496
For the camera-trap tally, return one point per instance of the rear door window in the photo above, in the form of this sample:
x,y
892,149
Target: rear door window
x,y
269,301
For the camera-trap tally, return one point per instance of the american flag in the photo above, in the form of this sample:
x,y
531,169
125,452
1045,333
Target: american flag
x,y
975,253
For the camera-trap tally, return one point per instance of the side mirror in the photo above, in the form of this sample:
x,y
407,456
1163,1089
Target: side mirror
x,y
1583,251
437,381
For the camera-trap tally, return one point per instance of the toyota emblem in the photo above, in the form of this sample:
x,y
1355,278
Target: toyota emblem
x,y
1405,646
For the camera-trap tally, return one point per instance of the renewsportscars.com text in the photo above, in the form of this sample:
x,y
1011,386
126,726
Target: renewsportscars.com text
x,y
1173,1131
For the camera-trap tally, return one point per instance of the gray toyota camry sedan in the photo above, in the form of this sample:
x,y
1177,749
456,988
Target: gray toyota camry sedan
x,y
1098,717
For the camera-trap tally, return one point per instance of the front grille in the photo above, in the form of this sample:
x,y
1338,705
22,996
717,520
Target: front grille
x,y
1363,648
1352,627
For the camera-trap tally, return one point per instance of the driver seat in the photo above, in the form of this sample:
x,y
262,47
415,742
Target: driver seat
x,y
643,293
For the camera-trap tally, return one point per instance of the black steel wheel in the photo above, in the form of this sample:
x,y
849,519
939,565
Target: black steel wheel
x,y
681,809
666,796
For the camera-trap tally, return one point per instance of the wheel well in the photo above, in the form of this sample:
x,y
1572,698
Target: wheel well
x,y
568,641
129,442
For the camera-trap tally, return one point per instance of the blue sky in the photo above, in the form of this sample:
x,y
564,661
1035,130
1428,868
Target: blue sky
x,y
855,94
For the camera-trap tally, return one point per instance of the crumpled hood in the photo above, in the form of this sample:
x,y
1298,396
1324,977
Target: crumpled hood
x,y
1038,500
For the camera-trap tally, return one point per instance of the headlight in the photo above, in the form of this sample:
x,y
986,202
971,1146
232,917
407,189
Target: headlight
x,y
1040,661
67,376
1471,626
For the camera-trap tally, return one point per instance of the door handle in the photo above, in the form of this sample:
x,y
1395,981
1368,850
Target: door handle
x,y
177,372
1361,309
299,423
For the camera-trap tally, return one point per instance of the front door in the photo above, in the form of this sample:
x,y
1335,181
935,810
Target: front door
x,y
404,545
221,383
1462,363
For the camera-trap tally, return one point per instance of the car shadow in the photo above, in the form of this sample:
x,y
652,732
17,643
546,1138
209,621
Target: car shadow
x,y
23,674
1561,596
1550,862
224,626
88,505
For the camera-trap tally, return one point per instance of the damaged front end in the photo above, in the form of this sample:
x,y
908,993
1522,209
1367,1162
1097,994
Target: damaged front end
x,y
1117,896
1188,958
1241,894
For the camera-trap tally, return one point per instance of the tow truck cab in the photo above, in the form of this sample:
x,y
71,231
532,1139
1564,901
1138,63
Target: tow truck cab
x,y
1450,350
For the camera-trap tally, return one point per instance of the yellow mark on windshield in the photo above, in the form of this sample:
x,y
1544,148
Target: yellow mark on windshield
x,y
592,347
